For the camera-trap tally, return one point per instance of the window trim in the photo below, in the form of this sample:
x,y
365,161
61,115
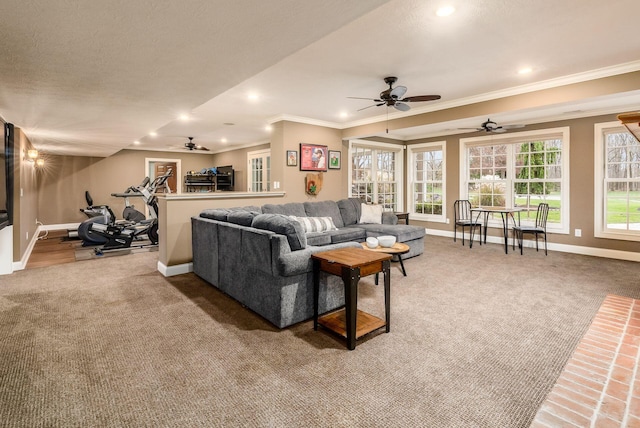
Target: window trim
x,y
508,138
599,165
398,148
411,149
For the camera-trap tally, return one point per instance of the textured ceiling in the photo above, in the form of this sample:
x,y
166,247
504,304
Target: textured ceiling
x,y
89,78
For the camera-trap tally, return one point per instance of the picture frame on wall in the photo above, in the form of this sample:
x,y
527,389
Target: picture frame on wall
x,y
313,157
292,158
335,159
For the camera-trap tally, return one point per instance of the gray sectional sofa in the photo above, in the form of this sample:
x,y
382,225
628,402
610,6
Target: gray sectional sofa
x,y
260,256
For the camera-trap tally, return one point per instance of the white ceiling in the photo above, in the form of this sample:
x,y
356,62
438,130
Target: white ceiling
x,y
89,78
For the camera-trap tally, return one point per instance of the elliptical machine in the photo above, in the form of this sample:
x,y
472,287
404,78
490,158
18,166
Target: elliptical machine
x,y
120,235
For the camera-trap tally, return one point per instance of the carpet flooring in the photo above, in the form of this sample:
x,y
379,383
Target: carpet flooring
x,y
478,339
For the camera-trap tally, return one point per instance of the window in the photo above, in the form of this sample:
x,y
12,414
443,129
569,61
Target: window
x,y
519,170
259,171
374,173
617,183
426,181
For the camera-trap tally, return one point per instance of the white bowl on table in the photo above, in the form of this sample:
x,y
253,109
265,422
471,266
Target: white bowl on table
x,y
372,242
386,240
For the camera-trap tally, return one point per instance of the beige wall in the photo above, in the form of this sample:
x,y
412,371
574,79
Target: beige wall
x,y
66,178
581,190
238,159
25,191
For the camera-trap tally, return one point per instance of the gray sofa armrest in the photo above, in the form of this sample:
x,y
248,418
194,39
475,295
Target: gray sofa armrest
x,y
388,217
289,263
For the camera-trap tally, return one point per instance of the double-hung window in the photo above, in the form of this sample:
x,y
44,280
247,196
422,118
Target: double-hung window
x,y
617,183
375,173
519,170
426,174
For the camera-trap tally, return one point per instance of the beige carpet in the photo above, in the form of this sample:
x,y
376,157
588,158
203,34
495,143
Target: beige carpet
x,y
477,339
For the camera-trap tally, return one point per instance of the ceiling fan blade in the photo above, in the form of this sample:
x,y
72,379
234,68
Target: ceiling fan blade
x,y
202,148
512,126
419,98
498,130
372,105
360,98
398,92
401,106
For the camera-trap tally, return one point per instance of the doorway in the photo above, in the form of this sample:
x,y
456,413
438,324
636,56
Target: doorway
x,y
155,167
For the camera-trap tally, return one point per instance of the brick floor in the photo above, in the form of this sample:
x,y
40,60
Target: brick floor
x,y
600,385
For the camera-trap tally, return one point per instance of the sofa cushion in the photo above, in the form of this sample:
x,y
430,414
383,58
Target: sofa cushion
x,y
318,239
347,234
315,224
371,214
324,209
402,232
349,210
241,217
292,208
219,214
282,225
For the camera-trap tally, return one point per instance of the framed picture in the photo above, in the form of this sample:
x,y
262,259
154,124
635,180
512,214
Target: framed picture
x,y
334,159
313,157
292,158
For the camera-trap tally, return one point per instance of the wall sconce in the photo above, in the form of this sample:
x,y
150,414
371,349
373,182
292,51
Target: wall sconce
x,y
32,156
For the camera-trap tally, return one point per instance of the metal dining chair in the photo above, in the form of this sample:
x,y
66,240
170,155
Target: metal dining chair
x,y
540,228
462,218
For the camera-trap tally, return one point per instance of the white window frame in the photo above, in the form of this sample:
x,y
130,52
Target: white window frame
x,y
508,138
600,230
411,151
399,165
264,153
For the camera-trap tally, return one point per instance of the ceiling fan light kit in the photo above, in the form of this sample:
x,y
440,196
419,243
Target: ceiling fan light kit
x,y
492,127
190,145
393,97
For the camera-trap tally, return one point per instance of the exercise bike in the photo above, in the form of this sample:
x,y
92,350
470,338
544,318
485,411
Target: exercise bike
x,y
119,235
95,214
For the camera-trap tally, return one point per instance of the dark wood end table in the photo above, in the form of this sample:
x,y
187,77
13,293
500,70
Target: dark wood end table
x,y
351,264
403,216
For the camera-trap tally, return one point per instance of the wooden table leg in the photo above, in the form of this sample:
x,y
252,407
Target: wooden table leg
x,y
386,268
316,291
351,277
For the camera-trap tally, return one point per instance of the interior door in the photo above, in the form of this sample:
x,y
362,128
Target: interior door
x,y
160,168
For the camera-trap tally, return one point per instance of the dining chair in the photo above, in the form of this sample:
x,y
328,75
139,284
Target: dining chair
x,y
540,228
462,218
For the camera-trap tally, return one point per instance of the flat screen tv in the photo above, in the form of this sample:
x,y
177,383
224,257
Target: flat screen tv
x,y
6,176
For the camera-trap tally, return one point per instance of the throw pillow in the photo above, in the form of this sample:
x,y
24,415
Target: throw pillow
x,y
371,214
315,224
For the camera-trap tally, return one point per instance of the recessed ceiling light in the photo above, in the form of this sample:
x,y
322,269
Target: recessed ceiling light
x,y
268,128
136,142
153,133
344,114
252,96
525,70
184,117
224,140
445,10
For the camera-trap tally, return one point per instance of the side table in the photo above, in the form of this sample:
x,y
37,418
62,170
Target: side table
x,y
351,264
403,216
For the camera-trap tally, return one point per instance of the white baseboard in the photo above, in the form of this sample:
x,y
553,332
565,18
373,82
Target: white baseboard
x,y
175,270
564,248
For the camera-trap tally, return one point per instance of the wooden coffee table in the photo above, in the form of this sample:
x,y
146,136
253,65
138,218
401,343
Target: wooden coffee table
x,y
351,264
397,249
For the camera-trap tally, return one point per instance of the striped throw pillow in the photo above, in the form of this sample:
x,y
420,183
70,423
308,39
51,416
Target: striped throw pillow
x,y
315,224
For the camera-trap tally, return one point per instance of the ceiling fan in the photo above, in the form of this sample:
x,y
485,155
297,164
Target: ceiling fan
x,y
393,97
491,126
193,146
